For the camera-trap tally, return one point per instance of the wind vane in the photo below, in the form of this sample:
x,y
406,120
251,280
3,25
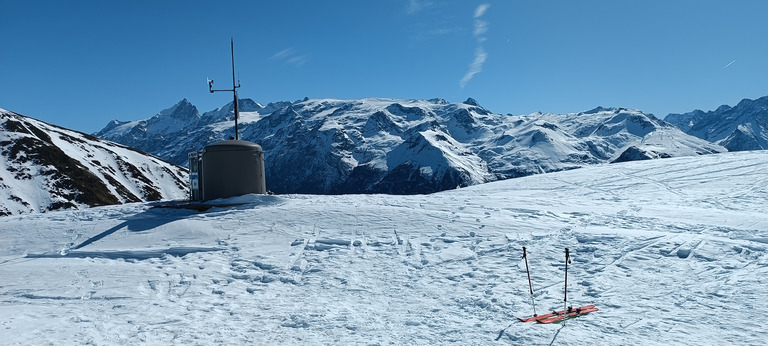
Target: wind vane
x,y
234,87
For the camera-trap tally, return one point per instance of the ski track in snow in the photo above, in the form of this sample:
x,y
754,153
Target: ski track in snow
x,y
670,251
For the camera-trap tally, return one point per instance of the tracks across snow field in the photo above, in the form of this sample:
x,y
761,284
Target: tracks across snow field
x,y
656,245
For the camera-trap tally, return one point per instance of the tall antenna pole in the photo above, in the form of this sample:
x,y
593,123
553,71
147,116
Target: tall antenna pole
x,y
234,87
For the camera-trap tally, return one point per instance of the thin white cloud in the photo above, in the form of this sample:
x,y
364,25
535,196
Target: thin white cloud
x,y
289,56
415,6
297,60
475,67
430,24
729,64
480,10
481,27
283,53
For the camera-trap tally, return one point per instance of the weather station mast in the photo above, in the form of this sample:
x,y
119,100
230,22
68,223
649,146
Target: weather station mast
x,y
230,167
234,87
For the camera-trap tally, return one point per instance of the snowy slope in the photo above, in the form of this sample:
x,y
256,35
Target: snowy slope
x,y
738,128
671,251
45,167
382,145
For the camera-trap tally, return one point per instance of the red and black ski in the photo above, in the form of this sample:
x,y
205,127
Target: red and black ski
x,y
560,315
568,314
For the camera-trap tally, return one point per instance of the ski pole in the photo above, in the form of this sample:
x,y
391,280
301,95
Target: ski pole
x,y
567,260
530,286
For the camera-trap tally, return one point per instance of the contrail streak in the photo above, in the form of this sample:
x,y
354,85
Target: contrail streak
x,y
729,64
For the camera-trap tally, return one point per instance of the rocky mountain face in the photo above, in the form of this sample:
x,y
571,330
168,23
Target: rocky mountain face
x,y
45,167
379,145
738,128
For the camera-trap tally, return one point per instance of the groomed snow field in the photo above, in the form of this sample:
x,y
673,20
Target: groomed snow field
x,y
671,251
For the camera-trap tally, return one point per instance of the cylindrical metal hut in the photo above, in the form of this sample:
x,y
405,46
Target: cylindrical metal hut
x,y
231,168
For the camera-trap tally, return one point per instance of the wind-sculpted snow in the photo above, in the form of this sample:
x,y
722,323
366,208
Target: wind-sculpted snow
x,y
45,167
380,145
670,251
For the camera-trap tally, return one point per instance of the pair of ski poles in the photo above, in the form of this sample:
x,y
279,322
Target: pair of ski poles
x,y
530,285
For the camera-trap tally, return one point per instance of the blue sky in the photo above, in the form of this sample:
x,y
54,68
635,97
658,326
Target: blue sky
x,y
80,64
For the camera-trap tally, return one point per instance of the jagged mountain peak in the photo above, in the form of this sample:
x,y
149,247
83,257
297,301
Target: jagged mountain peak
x,y
183,110
228,113
744,138
615,110
609,122
472,102
113,124
598,109
721,109
635,122
439,101
757,105
249,105
741,127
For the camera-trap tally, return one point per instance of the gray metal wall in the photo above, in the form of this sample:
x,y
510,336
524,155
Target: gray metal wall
x,y
232,168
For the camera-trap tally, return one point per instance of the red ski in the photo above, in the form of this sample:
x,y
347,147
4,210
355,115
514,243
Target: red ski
x,y
582,310
561,315
568,314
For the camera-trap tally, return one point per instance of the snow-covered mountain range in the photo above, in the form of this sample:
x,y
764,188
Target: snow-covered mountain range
x,y
380,145
45,167
742,127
